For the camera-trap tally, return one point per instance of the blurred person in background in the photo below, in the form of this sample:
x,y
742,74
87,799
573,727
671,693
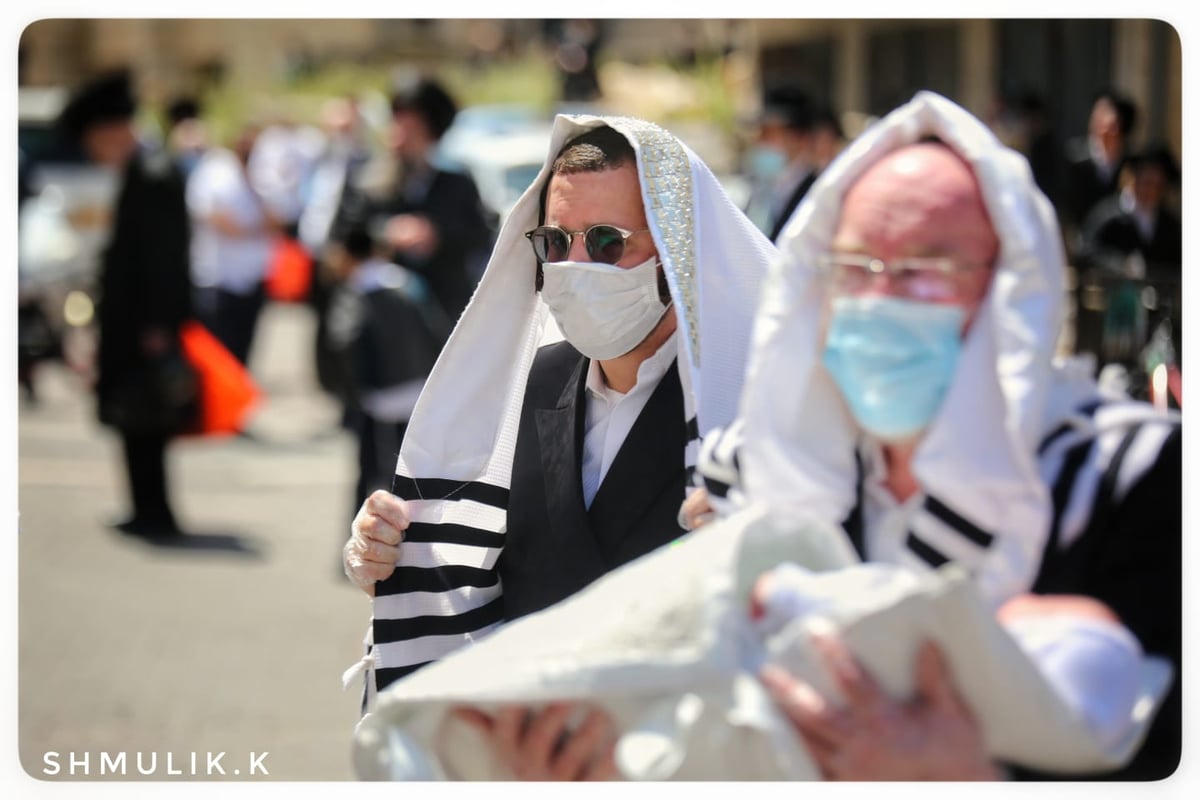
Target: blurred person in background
x,y
1093,162
345,153
385,331
828,138
233,237
280,167
576,44
145,296
187,135
783,164
1039,144
1138,217
1134,238
431,220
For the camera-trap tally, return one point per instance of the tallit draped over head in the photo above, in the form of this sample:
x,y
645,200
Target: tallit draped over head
x,y
456,460
977,458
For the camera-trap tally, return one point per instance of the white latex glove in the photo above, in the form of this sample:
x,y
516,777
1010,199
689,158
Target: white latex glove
x,y
371,552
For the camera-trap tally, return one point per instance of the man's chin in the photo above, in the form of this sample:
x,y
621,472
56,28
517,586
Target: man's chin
x,y
658,334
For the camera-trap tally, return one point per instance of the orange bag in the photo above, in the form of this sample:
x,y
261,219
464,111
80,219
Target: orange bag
x,y
289,275
227,392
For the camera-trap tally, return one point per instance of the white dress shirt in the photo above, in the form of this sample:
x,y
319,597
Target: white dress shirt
x,y
235,263
611,414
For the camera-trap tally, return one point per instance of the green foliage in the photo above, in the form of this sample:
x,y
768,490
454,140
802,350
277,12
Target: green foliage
x,y
530,78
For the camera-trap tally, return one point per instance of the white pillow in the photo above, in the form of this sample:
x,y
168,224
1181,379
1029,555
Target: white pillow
x,y
665,644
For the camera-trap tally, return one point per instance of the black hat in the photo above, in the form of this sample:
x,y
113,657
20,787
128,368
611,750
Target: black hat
x,y
357,239
790,106
1156,155
105,99
183,108
430,100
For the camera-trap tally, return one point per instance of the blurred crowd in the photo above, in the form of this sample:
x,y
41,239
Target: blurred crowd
x,y
385,245
1117,204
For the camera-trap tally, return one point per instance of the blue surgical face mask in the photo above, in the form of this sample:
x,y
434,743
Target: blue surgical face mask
x,y
766,162
893,360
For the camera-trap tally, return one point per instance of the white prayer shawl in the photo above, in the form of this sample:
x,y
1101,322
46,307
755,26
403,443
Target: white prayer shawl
x,y
464,427
800,440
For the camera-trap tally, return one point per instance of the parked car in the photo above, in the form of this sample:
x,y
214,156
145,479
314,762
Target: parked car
x,y
502,147
64,215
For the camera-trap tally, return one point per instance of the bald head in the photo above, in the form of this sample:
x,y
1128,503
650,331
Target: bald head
x,y
921,201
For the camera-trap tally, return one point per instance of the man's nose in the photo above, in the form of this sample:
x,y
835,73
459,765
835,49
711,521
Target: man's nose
x,y
880,284
577,250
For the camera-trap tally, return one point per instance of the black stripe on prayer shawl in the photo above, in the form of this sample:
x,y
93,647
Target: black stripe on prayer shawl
x,y
386,676
449,533
1106,494
433,579
1102,449
395,630
717,464
1065,482
693,429
924,551
1088,409
439,489
1072,462
1054,436
715,487
957,522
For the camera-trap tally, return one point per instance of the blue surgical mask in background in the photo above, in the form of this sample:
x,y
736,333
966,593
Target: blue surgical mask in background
x,y
766,163
893,360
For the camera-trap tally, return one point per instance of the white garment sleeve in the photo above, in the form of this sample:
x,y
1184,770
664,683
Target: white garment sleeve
x,y
1093,665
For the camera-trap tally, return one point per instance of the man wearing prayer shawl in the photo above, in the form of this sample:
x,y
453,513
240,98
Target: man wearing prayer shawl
x,y
553,439
903,384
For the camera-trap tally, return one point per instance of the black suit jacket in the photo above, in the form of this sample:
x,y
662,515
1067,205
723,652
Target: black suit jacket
x,y
1082,188
1110,234
554,545
451,203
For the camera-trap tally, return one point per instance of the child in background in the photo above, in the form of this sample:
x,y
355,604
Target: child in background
x,y
385,331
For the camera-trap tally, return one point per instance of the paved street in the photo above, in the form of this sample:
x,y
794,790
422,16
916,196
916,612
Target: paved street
x,y
234,642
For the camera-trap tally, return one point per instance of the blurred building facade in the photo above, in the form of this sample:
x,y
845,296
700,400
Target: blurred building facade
x,y
862,66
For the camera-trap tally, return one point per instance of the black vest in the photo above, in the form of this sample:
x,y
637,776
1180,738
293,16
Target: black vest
x,y
554,545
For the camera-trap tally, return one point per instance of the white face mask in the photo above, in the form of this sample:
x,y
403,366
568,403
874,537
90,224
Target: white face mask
x,y
603,311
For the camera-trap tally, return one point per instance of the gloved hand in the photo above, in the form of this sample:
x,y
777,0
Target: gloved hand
x,y
371,552
696,511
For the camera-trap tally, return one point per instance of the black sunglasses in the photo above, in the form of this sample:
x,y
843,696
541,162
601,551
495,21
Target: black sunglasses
x,y
605,243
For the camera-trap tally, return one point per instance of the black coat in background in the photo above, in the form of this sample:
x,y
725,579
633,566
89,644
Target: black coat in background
x,y
1082,187
1110,233
451,202
144,278
383,339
